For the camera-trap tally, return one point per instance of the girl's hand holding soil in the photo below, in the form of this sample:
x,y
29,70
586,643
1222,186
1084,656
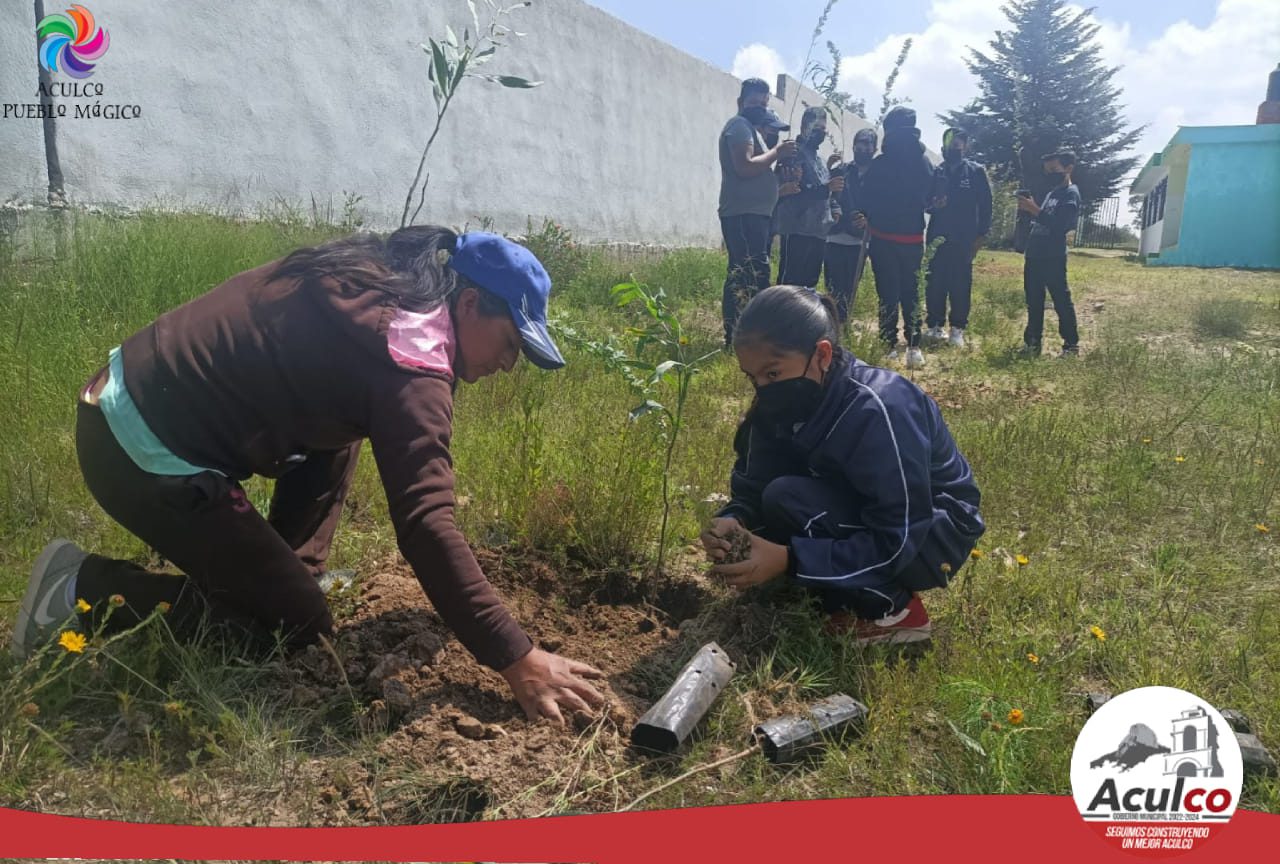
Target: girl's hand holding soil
x,y
764,561
719,539
543,683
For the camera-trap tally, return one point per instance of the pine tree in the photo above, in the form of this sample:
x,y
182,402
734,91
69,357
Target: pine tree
x,y
1044,88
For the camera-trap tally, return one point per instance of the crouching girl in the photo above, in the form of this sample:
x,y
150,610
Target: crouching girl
x,y
846,476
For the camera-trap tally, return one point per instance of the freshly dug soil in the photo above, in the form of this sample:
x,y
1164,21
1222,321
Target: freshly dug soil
x,y
457,744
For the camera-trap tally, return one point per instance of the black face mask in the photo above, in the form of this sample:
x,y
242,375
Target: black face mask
x,y
1056,177
952,157
786,403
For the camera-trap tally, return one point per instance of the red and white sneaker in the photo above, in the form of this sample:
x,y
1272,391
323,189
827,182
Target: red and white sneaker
x,y
909,624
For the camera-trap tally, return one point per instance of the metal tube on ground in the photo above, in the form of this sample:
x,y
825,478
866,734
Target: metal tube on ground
x,y
787,739
666,725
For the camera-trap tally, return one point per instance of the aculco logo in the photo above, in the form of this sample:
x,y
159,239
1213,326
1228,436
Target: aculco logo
x,y
1141,800
1156,792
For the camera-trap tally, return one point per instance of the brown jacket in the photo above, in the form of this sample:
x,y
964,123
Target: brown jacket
x,y
257,371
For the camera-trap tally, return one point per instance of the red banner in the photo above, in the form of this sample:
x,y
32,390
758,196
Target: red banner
x,y
1027,828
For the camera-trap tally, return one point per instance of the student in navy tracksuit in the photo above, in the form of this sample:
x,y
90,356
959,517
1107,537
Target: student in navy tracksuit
x,y
846,475
1045,267
895,193
962,216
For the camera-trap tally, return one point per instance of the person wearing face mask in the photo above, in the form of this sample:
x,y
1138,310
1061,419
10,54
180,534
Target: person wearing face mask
x,y
804,217
284,371
1045,266
962,217
846,476
748,194
895,193
846,251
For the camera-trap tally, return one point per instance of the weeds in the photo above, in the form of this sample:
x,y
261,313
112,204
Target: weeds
x,y
1224,318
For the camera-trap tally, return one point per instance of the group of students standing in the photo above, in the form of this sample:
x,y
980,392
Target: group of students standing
x,y
829,217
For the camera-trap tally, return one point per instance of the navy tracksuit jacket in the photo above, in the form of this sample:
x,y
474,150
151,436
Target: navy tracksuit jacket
x,y
871,494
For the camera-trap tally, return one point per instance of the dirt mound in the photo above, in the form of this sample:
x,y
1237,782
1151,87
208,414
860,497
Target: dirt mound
x,y
456,743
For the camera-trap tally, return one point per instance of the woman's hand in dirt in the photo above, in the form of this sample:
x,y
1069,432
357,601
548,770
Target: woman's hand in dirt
x,y
543,683
716,538
766,562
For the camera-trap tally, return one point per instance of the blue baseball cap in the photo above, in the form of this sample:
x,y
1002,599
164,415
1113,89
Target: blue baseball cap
x,y
515,274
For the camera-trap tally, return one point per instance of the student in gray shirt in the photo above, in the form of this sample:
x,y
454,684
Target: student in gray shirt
x,y
805,217
748,193
845,256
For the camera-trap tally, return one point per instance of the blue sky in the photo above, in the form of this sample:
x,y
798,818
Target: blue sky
x,y
715,29
1186,62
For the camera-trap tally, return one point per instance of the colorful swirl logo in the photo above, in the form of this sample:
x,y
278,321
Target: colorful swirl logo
x,y
69,42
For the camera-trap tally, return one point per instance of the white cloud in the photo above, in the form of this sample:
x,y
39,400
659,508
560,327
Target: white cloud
x,y
758,61
1199,76
1187,75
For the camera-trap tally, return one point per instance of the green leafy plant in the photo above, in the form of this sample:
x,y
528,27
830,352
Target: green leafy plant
x,y
674,364
453,61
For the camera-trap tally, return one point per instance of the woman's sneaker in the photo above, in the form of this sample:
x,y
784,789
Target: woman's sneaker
x,y
915,358
50,599
957,337
909,624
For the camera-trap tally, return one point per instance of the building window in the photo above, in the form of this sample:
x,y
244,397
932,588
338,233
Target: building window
x,y
1153,204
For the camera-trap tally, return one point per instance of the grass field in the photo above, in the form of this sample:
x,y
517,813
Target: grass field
x,y
1140,484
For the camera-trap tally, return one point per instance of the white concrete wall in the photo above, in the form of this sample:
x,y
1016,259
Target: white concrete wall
x,y
244,103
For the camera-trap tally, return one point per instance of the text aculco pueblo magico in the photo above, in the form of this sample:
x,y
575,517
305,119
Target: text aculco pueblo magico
x,y
70,90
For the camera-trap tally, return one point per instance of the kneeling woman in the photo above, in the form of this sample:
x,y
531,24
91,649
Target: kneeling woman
x,y
283,371
846,476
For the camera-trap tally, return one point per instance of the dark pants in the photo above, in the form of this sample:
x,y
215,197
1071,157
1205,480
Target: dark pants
x,y
249,574
950,278
746,238
805,507
897,270
842,271
1039,275
797,506
800,259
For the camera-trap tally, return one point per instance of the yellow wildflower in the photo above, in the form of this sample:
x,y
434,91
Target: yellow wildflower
x,y
116,600
1015,716
1022,560
163,607
1146,440
1179,459
1098,633
1262,528
173,707
73,642
1033,657
82,606
976,554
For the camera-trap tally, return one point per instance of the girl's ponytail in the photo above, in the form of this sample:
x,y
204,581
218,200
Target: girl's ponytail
x,y
788,318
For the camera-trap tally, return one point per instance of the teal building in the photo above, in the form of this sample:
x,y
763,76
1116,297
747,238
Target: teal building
x,y
1211,198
